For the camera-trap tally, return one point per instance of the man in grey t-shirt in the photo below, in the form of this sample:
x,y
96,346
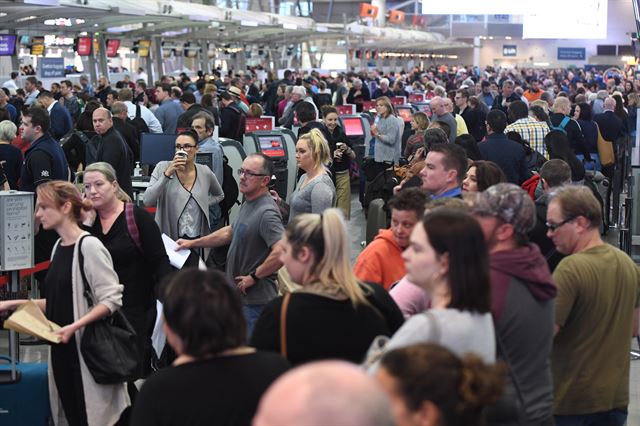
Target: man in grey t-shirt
x,y
440,113
254,236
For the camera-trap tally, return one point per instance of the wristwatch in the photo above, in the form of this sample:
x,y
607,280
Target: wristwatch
x,y
254,276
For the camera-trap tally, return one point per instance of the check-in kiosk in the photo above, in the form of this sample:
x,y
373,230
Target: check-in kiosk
x,y
235,153
422,107
358,130
154,148
274,145
406,113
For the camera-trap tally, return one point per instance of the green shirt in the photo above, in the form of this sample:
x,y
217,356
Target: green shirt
x,y
597,293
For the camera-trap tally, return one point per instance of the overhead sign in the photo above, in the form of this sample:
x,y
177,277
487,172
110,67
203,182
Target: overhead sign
x,y
509,50
83,46
7,45
112,47
51,67
368,11
572,53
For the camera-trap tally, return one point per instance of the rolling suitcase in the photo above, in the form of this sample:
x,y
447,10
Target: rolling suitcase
x,y
24,391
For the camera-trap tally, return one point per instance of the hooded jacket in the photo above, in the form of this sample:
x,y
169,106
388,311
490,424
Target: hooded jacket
x,y
381,261
522,293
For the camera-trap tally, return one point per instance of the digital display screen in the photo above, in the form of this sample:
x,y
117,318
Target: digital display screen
x,y
261,123
272,145
346,109
7,45
83,46
416,97
112,48
37,46
405,113
368,105
353,126
424,107
398,100
143,48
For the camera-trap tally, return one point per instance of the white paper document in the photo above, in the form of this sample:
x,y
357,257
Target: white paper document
x,y
176,258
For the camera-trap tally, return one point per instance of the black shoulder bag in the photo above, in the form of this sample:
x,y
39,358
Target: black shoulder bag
x,y
108,346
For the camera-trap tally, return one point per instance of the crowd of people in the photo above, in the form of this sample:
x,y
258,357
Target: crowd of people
x,y
490,297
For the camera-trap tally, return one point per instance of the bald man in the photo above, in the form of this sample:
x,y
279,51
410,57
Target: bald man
x,y
560,120
111,148
324,393
439,109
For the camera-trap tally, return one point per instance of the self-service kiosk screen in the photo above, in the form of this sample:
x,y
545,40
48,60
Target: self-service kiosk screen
x,y
353,126
405,113
272,145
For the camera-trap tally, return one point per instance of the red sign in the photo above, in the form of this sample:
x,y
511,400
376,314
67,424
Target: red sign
x,y
112,48
416,97
347,109
396,17
406,114
83,47
255,124
368,105
398,100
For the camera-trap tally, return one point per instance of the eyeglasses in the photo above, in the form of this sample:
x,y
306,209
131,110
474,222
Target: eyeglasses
x,y
250,174
185,147
553,227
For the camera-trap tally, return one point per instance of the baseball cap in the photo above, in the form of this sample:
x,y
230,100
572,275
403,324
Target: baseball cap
x,y
508,202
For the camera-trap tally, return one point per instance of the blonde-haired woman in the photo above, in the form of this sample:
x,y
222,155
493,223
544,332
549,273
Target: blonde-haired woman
x,y
332,315
135,243
419,124
315,191
76,398
386,145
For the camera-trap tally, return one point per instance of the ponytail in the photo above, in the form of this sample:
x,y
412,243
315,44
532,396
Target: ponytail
x,y
326,237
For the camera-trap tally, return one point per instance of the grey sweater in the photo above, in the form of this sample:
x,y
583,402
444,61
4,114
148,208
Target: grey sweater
x,y
389,139
316,196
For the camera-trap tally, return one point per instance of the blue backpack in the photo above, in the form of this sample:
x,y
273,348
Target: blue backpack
x,y
562,125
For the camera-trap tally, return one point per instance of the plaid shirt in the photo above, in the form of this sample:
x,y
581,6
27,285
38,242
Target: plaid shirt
x,y
531,131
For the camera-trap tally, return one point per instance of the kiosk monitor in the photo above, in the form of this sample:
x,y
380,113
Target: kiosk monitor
x,y
405,113
156,147
353,126
272,146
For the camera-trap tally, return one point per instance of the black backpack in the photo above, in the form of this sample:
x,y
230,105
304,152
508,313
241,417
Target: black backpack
x,y
139,123
230,190
381,187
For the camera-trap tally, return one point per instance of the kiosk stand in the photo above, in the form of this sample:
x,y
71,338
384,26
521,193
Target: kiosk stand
x,y
16,253
272,144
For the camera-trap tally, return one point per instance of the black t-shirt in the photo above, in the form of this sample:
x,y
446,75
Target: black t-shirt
x,y
57,287
12,158
322,328
219,391
40,167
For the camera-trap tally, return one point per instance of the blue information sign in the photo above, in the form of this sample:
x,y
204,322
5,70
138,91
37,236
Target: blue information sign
x,y
572,53
51,67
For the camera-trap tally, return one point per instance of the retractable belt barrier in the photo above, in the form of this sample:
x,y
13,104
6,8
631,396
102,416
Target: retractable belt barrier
x,y
4,279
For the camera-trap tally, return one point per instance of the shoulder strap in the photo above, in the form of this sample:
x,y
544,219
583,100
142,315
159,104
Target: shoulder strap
x,y
132,225
138,111
435,327
564,122
283,324
511,372
85,282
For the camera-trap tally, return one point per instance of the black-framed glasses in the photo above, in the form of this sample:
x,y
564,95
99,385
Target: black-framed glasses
x,y
185,147
553,227
250,174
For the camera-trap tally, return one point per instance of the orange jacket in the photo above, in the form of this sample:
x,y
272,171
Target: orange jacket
x,y
381,261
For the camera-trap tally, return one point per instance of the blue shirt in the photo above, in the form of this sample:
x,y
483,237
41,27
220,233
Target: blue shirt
x,y
167,114
12,111
209,145
452,193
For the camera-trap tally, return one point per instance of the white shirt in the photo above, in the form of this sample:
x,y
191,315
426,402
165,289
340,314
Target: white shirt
x,y
10,84
147,116
51,106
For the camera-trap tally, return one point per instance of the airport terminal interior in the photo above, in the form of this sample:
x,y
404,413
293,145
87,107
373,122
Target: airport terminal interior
x,y
319,212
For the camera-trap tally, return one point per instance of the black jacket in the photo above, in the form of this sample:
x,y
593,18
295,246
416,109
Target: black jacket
x,y
364,95
508,155
574,134
129,134
114,150
610,125
475,119
185,119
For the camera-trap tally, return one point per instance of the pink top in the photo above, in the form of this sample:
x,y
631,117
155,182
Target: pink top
x,y
410,298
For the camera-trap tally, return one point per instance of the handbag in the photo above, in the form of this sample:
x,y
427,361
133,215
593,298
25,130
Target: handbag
x,y
605,150
108,346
